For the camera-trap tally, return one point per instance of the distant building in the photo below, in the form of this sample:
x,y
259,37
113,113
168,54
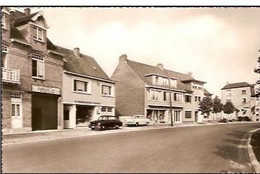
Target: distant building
x,y
31,74
144,89
241,95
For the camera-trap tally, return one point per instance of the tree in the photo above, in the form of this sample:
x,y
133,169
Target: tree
x,y
228,107
205,106
217,105
257,70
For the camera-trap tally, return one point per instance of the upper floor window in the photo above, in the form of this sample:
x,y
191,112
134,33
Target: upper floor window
x,y
228,93
38,33
187,98
106,90
37,66
243,92
155,95
166,96
80,86
4,55
244,100
3,20
177,97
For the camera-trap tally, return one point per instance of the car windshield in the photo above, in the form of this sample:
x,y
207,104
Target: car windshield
x,y
103,118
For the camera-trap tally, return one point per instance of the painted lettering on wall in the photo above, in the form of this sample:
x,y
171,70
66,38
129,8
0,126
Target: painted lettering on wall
x,y
45,89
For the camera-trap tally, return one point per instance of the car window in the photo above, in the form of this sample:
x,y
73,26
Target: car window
x,y
102,118
111,118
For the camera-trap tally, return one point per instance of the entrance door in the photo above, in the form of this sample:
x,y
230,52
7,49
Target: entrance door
x,y
196,116
17,119
44,112
177,116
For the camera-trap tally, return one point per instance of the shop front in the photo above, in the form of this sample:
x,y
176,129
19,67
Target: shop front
x,y
163,114
79,113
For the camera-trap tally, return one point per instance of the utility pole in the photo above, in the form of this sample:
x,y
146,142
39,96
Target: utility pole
x,y
170,95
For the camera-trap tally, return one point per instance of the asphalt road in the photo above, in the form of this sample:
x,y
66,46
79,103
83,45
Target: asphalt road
x,y
201,149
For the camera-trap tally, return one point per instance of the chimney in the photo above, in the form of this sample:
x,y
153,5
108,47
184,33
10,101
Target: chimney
x,y
227,83
123,58
190,74
76,51
160,66
27,11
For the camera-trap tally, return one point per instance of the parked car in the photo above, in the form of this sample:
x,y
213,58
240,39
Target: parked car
x,y
246,118
137,120
105,122
224,120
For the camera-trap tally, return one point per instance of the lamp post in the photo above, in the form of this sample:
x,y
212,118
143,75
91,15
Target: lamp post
x,y
170,95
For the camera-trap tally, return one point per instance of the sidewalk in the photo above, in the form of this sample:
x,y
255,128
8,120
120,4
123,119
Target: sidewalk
x,y
38,136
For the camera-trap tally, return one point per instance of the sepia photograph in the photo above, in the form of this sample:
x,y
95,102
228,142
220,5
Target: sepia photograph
x,y
121,89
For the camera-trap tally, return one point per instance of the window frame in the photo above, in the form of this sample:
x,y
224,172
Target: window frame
x,y
190,99
36,30
110,90
39,59
185,116
4,52
243,92
3,20
87,85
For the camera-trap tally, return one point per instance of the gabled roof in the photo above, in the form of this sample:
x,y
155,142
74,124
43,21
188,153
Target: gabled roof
x,y
84,65
24,19
143,69
236,85
206,92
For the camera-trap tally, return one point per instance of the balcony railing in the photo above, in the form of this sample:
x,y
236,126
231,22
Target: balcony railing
x,y
10,75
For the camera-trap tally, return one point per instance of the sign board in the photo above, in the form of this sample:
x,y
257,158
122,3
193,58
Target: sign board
x,y
87,102
45,89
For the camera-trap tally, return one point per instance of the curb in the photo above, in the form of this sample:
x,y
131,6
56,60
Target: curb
x,y
251,153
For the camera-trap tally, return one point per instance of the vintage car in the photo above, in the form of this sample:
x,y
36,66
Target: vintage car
x,y
105,122
137,120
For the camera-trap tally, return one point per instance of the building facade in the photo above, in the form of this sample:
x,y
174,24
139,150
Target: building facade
x,y
154,91
87,90
31,74
241,95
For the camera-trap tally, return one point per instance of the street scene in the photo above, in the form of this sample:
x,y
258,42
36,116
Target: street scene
x,y
130,90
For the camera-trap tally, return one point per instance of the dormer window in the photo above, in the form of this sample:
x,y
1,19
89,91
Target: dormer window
x,y
3,20
38,33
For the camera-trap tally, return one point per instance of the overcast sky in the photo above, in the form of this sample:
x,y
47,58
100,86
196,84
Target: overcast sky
x,y
215,44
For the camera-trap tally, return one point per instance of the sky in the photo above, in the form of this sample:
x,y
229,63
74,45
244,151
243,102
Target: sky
x,y
217,45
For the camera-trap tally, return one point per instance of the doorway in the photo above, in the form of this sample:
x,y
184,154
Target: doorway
x,y
44,112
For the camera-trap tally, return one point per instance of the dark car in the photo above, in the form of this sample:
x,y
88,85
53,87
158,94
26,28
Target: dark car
x,y
105,122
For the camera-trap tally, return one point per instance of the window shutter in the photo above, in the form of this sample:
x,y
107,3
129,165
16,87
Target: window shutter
x,y
40,69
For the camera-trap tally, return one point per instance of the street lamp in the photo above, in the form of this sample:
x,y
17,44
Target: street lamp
x,y
170,94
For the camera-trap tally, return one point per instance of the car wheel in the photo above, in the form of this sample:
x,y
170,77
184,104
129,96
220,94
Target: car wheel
x,y
147,123
116,126
137,124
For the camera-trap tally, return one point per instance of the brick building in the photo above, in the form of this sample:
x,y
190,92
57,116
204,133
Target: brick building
x,y
144,89
31,73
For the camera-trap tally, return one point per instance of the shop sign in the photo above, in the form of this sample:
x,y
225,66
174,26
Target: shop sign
x,y
44,89
87,102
